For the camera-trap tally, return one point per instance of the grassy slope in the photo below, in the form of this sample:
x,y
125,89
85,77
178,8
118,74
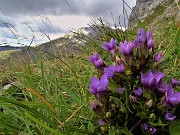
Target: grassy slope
x,y
64,84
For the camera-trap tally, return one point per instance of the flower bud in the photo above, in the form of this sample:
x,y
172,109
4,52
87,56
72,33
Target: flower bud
x,y
108,114
152,116
149,103
133,98
121,90
101,122
158,56
141,36
96,107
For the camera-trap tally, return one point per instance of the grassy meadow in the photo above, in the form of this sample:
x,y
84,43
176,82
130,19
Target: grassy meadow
x,y
50,96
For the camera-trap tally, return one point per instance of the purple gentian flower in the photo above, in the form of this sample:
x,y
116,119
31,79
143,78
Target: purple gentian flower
x,y
149,35
158,56
168,116
101,122
151,78
172,97
150,40
150,43
96,60
126,48
138,92
98,63
111,46
141,36
111,69
93,58
144,126
119,68
98,86
152,130
148,128
175,82
162,87
135,42
121,89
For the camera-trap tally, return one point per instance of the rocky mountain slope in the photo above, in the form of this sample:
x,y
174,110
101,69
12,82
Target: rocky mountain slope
x,y
153,12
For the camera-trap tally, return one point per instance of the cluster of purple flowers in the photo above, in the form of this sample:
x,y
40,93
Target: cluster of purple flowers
x,y
128,74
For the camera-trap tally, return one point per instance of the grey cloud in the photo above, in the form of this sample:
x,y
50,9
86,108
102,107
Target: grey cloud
x,y
5,33
2,24
33,7
16,13
62,7
42,25
6,21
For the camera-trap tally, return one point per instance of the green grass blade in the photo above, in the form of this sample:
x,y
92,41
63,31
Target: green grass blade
x,y
33,111
41,124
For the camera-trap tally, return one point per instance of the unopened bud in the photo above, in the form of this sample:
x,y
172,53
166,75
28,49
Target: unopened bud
x,y
149,103
133,98
108,114
152,116
119,61
113,106
103,129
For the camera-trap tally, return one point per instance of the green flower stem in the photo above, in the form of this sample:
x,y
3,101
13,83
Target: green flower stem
x,y
135,125
127,105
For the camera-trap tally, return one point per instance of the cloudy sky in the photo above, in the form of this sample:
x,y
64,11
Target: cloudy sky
x,y
21,20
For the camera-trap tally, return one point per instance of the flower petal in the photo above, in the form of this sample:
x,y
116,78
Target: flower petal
x,y
175,82
141,36
113,43
106,46
94,83
101,122
174,99
138,92
98,63
168,116
104,81
93,58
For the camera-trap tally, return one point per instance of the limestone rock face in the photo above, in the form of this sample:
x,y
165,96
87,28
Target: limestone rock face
x,y
146,8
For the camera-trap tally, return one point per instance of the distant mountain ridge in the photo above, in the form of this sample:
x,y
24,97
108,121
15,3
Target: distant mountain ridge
x,y
70,45
66,46
9,47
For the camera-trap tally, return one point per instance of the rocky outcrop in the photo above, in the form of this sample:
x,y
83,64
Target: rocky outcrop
x,y
154,10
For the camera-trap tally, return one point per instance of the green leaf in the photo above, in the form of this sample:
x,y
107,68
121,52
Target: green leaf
x,y
113,86
126,131
91,127
158,123
174,127
142,115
